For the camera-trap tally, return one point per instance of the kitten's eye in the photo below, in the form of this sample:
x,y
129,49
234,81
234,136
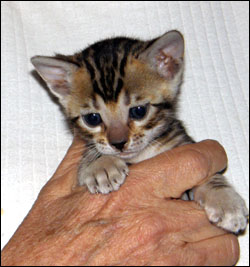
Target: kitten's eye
x,y
137,113
93,119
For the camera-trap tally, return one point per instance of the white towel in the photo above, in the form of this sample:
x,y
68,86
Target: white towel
x,y
214,100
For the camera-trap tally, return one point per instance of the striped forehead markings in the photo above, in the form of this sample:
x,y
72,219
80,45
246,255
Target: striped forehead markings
x,y
108,69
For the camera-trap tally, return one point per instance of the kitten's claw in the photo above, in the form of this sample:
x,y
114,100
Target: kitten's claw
x,y
104,175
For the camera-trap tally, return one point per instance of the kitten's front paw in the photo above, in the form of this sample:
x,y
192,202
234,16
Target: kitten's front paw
x,y
226,209
104,175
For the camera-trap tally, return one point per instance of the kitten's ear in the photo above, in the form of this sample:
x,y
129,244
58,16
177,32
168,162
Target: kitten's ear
x,y
57,73
165,54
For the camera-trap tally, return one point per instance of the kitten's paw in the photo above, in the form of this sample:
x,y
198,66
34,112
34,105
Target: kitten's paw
x,y
226,209
104,175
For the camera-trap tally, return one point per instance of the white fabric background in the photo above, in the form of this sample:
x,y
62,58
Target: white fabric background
x,y
214,99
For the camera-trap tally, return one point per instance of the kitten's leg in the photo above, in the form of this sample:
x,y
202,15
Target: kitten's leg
x,y
223,205
102,175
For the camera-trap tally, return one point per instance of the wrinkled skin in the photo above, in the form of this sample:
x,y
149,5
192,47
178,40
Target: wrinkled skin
x,y
141,224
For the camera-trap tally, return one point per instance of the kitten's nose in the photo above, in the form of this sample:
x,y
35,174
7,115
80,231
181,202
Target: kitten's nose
x,y
118,134
119,145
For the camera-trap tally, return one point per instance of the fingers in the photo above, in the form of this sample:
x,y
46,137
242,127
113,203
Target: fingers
x,y
193,225
175,171
217,251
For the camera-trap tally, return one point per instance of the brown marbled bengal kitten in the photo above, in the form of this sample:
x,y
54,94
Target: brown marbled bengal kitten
x,y
121,93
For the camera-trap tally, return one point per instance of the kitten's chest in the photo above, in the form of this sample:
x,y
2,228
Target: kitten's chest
x,y
157,147
149,152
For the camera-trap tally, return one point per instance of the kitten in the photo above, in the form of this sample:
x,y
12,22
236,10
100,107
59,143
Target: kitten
x,y
122,93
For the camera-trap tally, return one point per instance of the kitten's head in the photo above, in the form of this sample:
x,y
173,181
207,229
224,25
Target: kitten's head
x,y
120,92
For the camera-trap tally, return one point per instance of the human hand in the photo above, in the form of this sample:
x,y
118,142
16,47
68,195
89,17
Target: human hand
x,y
140,224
